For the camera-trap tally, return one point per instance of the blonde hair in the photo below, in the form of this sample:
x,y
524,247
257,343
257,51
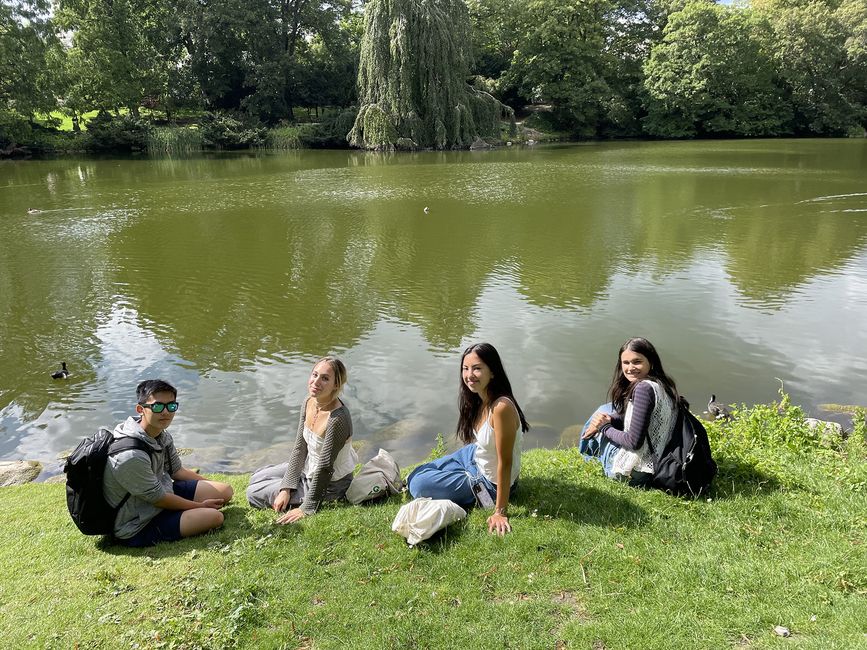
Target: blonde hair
x,y
338,369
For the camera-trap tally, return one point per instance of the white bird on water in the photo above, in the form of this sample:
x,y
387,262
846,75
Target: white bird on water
x,y
426,209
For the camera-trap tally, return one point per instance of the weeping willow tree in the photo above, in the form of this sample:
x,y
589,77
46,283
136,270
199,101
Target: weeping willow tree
x,y
412,79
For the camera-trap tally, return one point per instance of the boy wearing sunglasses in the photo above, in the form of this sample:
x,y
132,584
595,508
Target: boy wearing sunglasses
x,y
160,500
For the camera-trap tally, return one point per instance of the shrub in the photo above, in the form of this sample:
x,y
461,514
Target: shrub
x,y
232,131
54,140
14,129
25,137
765,441
331,132
107,132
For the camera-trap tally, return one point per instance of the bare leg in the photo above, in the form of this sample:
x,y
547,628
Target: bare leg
x,y
213,490
200,520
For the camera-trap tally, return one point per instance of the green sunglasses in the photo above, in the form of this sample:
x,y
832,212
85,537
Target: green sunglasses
x,y
157,407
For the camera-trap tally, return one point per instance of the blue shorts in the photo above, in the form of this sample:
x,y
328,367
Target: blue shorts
x,y
166,526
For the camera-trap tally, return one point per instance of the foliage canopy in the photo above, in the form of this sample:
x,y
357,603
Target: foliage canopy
x,y
588,69
412,79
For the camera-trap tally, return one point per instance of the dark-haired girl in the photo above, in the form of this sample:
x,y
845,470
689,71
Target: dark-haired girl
x,y
642,414
491,424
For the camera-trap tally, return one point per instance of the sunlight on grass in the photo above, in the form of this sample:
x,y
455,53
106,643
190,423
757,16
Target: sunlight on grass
x,y
591,564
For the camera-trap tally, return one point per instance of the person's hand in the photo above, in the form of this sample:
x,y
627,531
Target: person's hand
x,y
281,502
216,504
596,421
499,524
291,517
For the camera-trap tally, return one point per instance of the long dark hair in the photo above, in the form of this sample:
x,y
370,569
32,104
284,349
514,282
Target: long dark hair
x,y
470,404
621,388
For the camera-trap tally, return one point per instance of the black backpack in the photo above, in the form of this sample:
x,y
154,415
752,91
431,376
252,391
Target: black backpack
x,y
685,465
84,469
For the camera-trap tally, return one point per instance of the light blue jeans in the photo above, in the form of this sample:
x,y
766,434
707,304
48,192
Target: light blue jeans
x,y
592,448
451,477
603,449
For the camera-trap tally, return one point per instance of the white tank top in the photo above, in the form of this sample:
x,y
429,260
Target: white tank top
x,y
486,449
344,463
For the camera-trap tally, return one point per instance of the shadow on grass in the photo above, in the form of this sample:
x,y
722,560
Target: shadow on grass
x,y
738,478
571,500
240,522
442,540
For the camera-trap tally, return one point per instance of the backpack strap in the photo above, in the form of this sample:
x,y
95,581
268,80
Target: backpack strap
x,y
128,442
125,444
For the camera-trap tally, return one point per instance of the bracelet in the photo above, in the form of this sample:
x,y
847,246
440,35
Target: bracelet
x,y
502,511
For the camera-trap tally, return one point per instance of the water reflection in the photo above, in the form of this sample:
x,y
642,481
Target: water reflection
x,y
230,274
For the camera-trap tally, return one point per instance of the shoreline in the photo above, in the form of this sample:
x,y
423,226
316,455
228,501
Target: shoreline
x,y
52,472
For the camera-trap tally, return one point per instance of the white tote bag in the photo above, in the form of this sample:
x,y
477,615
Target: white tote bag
x,y
422,517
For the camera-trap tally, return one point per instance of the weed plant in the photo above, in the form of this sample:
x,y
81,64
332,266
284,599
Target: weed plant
x,y
591,563
174,140
284,137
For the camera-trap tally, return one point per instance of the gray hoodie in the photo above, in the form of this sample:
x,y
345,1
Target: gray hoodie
x,y
147,478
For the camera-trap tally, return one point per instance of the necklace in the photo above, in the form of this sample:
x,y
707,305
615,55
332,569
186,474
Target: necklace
x,y
318,409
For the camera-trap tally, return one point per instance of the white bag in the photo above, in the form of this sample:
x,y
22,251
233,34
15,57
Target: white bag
x,y
378,477
422,517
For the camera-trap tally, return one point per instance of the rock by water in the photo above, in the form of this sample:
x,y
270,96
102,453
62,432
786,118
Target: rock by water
x,y
18,472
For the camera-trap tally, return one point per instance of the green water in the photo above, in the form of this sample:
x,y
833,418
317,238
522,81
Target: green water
x,y
743,261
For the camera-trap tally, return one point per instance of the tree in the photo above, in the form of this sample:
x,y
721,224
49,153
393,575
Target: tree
x,y
125,52
497,27
711,76
412,79
29,51
809,44
215,35
852,15
632,29
265,56
559,61
582,58
326,75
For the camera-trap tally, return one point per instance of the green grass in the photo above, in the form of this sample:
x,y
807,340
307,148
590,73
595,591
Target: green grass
x,y
590,564
64,122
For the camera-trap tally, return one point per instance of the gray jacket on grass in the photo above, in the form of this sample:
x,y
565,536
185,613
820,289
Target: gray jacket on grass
x,y
146,477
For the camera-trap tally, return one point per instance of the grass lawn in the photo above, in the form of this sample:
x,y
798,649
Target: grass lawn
x,y
590,564
64,122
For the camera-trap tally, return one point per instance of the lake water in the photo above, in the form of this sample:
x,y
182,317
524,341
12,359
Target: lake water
x,y
745,262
